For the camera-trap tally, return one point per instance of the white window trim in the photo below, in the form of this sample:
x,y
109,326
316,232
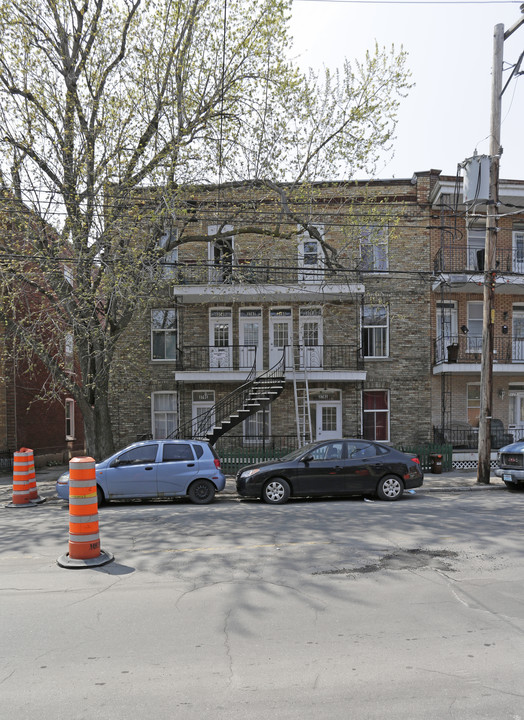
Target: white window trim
x,y
158,330
251,439
170,259
388,411
365,242
70,404
386,326
311,273
154,413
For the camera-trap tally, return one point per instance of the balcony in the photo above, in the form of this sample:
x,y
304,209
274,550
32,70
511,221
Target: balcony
x,y
464,266
249,277
453,353
208,363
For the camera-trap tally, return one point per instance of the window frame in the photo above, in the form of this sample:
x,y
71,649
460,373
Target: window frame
x,y
376,239
155,413
164,331
375,411
364,328
70,429
258,437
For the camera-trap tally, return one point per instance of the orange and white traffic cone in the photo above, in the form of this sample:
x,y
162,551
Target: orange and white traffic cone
x,y
84,539
33,492
21,471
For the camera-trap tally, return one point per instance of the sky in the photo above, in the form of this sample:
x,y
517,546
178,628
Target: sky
x,y
446,116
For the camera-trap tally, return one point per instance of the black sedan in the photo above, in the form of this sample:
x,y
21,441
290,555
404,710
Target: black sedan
x,y
336,467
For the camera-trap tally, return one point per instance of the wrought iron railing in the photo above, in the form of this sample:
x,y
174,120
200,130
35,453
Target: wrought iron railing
x,y
240,357
210,357
459,259
467,348
282,270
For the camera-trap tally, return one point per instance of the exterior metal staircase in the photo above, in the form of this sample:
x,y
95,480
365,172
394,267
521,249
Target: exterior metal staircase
x,y
255,394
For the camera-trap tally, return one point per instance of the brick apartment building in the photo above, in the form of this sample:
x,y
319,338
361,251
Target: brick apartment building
x,y
457,250
51,427
364,340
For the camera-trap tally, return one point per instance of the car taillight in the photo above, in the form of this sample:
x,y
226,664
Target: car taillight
x,y
415,459
217,463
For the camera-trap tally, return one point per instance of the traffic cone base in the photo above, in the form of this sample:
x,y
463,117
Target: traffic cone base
x,y
65,561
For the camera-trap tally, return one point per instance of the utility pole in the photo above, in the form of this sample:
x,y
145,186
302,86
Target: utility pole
x,y
486,368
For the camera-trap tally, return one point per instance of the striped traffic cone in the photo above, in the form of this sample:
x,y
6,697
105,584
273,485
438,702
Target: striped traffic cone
x,y
84,540
21,471
33,492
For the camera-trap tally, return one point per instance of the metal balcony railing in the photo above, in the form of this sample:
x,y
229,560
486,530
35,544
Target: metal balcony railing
x,y
252,271
456,259
241,357
461,348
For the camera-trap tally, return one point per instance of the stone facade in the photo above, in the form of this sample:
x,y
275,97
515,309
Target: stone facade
x,y
268,283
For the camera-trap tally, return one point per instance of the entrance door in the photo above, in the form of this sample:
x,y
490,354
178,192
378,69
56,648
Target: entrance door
x,y
202,404
517,350
326,420
310,338
280,335
220,334
518,251
516,414
447,329
250,338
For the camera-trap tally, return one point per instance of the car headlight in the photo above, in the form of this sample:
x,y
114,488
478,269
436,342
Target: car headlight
x,y
249,473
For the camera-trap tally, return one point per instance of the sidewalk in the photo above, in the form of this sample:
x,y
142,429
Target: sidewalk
x,y
452,481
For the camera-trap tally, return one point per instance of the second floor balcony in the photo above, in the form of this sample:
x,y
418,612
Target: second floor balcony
x,y
251,276
459,350
233,362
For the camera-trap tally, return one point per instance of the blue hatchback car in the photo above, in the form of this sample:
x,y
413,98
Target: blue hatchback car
x,y
157,469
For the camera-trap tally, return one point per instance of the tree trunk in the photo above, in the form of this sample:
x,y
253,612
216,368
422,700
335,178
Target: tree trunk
x,y
97,427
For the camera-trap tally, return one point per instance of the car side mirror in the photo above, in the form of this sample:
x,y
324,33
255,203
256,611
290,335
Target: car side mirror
x,y
307,459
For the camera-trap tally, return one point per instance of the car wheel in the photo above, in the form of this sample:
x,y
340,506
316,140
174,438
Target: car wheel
x,y
100,496
201,492
390,488
276,491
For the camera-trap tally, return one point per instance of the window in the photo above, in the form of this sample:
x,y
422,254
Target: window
x,y
221,254
70,419
476,246
164,414
169,261
164,334
310,257
518,250
473,404
177,452
375,331
474,336
375,415
138,456
374,249
68,352
332,451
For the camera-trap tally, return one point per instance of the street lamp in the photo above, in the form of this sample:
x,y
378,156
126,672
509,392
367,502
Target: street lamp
x,y
486,368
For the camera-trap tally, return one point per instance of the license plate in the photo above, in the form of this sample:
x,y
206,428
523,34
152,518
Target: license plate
x,y
507,478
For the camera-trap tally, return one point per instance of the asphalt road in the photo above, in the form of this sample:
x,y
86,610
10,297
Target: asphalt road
x,y
331,608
